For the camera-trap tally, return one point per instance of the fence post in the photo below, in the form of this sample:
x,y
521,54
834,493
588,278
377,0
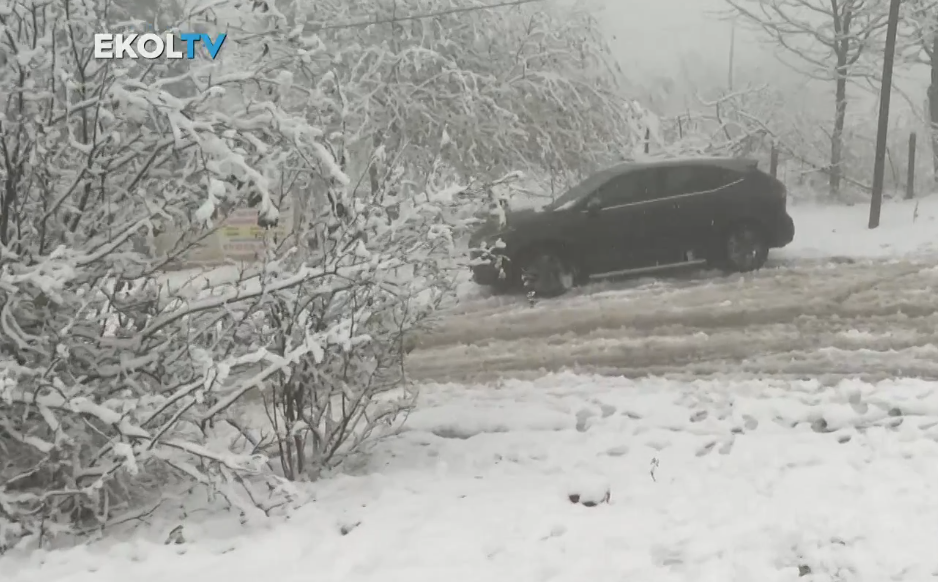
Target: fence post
x,y
773,163
647,140
910,178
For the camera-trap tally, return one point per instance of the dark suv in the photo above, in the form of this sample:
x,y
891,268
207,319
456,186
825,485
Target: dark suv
x,y
637,218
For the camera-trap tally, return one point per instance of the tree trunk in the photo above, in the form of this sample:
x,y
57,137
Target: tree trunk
x,y
373,166
841,47
933,104
840,117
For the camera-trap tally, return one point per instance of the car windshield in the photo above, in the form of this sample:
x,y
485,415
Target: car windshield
x,y
584,188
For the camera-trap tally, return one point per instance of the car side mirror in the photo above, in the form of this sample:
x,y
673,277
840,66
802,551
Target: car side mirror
x,y
594,206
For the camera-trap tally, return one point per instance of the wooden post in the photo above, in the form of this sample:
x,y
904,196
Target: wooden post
x,y
647,140
680,128
910,177
732,63
879,164
773,162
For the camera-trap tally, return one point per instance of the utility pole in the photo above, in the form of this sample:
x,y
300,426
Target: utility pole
x,y
732,65
879,165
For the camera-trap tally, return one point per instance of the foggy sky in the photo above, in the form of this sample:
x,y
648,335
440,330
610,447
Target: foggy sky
x,y
655,39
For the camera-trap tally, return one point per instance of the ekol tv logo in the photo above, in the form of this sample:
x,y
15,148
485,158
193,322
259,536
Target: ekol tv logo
x,y
151,46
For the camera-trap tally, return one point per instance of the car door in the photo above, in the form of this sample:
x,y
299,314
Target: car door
x,y
684,217
614,225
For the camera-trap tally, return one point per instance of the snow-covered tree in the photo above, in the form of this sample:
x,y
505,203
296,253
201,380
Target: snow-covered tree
x,y
829,40
491,91
919,46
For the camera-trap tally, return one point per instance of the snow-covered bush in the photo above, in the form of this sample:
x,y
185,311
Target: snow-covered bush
x,y
391,259
107,380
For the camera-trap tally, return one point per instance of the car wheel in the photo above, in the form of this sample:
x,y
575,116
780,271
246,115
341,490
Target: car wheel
x,y
548,275
745,249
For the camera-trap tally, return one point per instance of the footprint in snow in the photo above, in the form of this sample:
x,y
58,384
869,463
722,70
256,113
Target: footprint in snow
x,y
699,416
749,424
820,425
607,410
894,422
727,447
705,450
583,419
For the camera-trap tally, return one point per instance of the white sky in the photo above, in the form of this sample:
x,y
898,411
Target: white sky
x,y
658,34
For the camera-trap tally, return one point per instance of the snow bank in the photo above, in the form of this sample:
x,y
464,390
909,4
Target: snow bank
x,y
906,228
716,480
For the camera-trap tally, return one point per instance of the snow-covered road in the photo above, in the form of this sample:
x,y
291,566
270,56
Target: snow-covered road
x,y
801,318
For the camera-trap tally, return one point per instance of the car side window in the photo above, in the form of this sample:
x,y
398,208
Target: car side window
x,y
689,179
626,189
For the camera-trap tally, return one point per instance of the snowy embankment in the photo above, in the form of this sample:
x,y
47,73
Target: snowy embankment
x,y
723,480
906,228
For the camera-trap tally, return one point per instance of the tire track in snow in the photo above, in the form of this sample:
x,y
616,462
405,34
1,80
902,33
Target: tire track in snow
x,y
803,320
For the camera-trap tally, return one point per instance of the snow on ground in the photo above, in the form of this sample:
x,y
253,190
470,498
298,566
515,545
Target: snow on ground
x,y
906,228
702,480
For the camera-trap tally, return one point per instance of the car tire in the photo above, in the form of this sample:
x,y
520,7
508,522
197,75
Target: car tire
x,y
547,275
744,248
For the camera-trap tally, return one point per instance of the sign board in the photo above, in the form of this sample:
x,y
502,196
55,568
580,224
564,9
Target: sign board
x,y
238,238
242,239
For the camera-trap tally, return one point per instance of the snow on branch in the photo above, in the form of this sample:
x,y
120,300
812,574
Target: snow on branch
x,y
828,37
531,89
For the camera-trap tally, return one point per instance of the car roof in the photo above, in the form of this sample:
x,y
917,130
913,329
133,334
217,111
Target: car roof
x,y
736,164
601,177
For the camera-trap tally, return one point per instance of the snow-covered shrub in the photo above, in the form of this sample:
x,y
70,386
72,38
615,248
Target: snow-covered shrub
x,y
109,382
